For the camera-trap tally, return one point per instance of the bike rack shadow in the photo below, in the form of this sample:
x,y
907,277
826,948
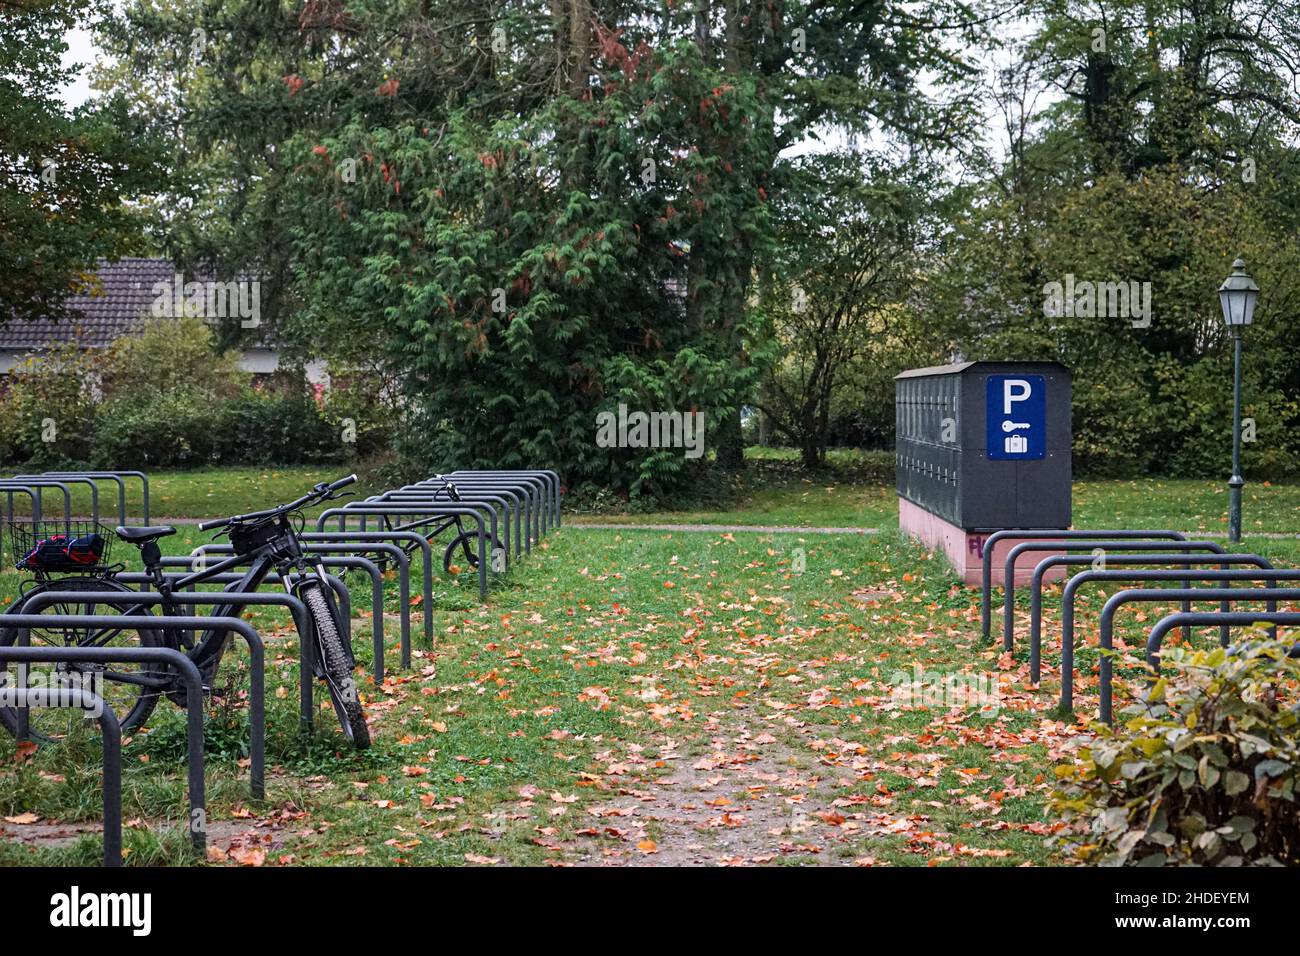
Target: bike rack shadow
x,y
74,698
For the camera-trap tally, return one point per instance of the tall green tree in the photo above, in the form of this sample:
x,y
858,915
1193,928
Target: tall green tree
x,y
539,211
67,177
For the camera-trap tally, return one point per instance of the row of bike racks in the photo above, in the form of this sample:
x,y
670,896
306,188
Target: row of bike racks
x,y
1173,559
504,513
35,486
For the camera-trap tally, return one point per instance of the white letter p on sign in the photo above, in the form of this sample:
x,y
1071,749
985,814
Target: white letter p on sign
x,y
1008,396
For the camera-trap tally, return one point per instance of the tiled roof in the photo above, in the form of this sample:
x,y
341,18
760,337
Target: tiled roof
x,y
121,304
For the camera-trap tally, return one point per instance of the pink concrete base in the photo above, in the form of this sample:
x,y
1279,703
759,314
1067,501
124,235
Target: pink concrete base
x,y
965,549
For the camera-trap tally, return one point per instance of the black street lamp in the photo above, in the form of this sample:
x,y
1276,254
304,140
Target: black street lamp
x,y
1237,296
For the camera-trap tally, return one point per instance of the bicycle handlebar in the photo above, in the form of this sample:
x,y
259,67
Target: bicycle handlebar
x,y
321,492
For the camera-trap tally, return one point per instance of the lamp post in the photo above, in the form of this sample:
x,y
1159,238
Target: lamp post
x,y
1237,296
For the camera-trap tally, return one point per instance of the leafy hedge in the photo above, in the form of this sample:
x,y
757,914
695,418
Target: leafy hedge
x,y
1206,775
167,398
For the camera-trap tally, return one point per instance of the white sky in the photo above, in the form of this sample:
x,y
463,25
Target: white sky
x,y
82,51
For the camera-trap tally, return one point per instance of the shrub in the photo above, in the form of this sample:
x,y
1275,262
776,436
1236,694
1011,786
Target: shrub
x,y
163,431
1205,773
50,408
264,428
171,357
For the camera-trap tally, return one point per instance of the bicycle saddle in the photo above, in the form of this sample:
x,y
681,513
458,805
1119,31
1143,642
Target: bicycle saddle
x,y
145,534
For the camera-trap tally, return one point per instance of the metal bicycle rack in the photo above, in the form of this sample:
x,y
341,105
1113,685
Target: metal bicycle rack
x,y
360,510
533,491
550,478
74,698
1269,596
499,518
394,536
527,497
33,488
302,620
494,502
1218,619
376,596
986,558
68,479
185,669
1263,570
360,550
120,478
1009,589
1127,558
336,584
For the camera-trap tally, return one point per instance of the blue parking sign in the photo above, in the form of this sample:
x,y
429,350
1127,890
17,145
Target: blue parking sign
x,y
1017,417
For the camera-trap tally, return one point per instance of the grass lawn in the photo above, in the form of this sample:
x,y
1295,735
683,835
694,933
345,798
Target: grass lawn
x,y
198,493
633,696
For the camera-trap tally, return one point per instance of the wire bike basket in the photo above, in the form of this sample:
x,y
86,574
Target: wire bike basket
x,y
60,547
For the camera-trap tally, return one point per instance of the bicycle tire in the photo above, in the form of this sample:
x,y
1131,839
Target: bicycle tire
x,y
469,542
334,661
132,710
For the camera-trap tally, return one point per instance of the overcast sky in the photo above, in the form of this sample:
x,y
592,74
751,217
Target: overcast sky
x,y
82,51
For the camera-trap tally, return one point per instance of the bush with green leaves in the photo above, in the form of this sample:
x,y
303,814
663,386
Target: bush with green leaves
x,y
49,410
1203,772
171,430
271,428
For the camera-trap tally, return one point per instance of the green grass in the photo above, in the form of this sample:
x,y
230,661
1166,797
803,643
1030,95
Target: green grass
x,y
620,682
200,493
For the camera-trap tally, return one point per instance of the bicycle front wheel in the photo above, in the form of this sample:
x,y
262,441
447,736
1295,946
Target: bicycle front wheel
x,y
131,690
335,662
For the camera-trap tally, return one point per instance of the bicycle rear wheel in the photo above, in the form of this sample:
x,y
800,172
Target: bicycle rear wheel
x,y
131,690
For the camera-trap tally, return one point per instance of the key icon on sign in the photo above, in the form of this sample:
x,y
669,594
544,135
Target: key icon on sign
x,y
1012,426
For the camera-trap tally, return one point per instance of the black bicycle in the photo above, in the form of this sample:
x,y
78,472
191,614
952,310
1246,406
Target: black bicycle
x,y
74,556
464,542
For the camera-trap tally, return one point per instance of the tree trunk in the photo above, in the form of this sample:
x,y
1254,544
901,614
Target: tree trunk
x,y
731,443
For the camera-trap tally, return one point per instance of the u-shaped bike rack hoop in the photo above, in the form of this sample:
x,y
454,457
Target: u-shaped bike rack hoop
x,y
360,510
426,552
360,550
40,600
1071,588
986,557
492,502
33,488
74,698
376,596
1262,571
551,478
119,477
69,479
1270,596
185,669
1093,545
525,495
